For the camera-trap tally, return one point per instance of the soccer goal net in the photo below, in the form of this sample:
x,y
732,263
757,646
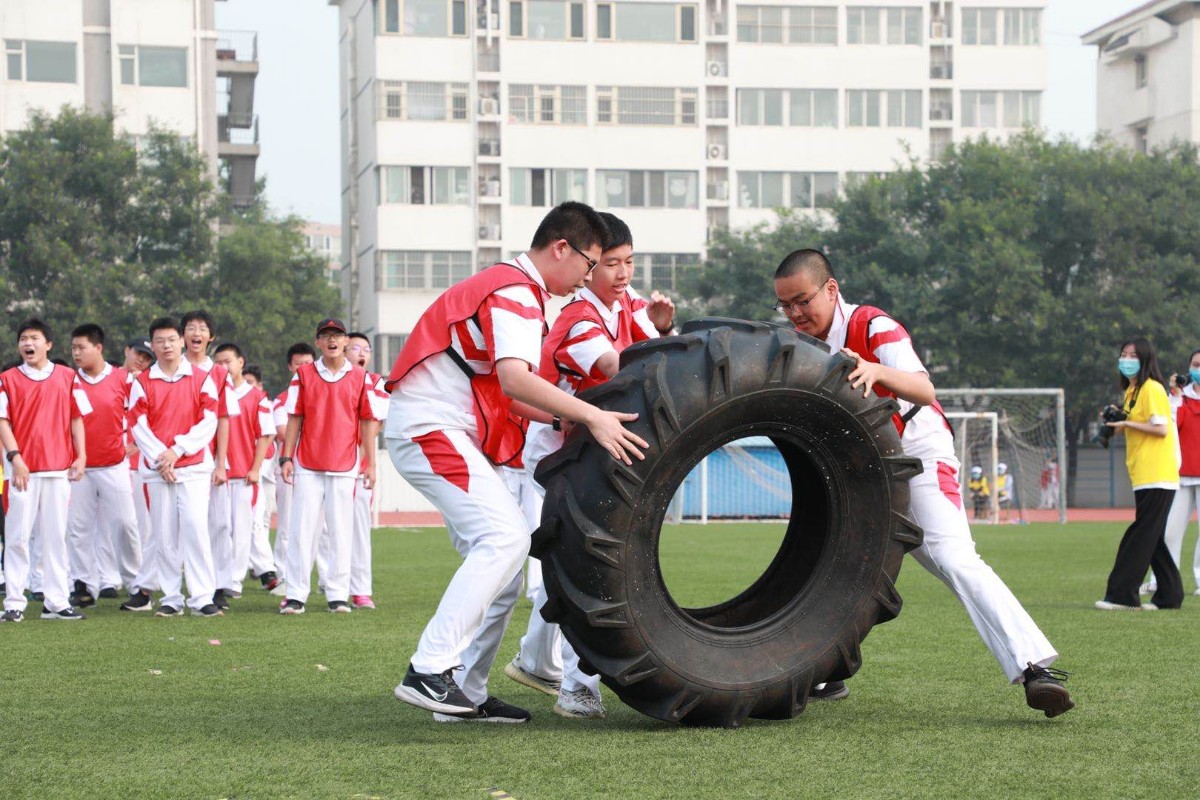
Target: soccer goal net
x,y
1016,437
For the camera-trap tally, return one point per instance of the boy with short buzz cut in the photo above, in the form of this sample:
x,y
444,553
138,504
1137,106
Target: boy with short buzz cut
x,y
468,365
328,443
298,355
102,534
42,406
359,351
173,415
232,504
582,351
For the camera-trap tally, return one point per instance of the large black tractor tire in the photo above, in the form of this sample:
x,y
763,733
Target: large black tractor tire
x,y
802,621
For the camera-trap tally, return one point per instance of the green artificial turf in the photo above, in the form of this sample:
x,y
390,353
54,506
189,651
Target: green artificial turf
x,y
255,705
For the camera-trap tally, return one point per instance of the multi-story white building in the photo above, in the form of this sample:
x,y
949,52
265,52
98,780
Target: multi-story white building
x,y
463,123
149,61
1148,74
325,240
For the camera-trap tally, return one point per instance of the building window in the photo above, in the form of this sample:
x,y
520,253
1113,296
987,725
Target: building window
x,y
801,108
546,187
1021,109
864,108
422,269
904,108
791,25
424,17
1141,140
646,189
980,109
153,66
387,348
1022,26
646,22
664,271
421,101
40,62
979,26
873,25
550,105
1139,71
435,186
645,105
787,189
545,19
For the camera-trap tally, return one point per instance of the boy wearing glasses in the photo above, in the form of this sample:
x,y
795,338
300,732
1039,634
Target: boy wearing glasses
x,y
468,365
888,365
582,351
359,351
329,443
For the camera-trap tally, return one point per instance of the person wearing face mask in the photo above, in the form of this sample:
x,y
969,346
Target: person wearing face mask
x,y
1152,460
1186,404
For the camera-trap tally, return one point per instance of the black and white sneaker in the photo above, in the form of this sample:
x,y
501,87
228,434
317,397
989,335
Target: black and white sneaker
x,y
339,607
81,596
292,607
67,614
210,610
220,600
1044,690
108,593
434,692
492,710
138,601
12,616
833,690
37,597
168,611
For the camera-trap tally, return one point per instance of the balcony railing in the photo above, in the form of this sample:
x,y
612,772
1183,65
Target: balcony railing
x,y
237,46
247,134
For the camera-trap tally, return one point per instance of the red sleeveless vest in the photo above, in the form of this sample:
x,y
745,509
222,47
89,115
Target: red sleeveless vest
x,y
573,313
501,433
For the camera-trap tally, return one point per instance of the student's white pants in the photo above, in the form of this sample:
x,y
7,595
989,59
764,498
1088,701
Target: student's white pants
x,y
360,546
261,558
1187,500
320,497
181,543
949,553
43,503
141,510
489,531
283,523
230,520
103,544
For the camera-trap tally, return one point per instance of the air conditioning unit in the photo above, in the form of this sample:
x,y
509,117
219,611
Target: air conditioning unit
x,y
721,190
489,187
937,29
716,68
940,72
489,233
716,152
489,106
489,148
939,113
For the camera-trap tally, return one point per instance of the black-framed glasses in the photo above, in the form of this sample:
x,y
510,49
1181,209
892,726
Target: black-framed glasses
x,y
799,305
591,261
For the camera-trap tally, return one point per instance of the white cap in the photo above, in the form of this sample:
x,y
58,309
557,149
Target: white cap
x,y
1002,467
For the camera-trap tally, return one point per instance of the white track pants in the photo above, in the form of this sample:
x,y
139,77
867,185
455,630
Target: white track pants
x,y
1187,500
360,545
488,529
179,519
320,498
44,504
949,554
283,523
261,558
141,509
230,523
103,544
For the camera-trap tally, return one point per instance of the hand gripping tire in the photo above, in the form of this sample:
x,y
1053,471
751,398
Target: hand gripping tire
x,y
802,621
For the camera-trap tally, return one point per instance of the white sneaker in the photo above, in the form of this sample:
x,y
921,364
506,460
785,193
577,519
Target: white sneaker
x,y
1197,593
1147,588
514,670
579,704
1149,607
1104,605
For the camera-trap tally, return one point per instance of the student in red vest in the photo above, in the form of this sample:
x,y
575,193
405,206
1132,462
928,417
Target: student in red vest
x,y
471,361
359,351
582,351
329,444
138,358
887,364
250,435
298,355
102,533
262,560
42,406
173,416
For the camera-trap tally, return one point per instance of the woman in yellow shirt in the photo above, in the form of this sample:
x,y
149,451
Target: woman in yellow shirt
x,y
1151,456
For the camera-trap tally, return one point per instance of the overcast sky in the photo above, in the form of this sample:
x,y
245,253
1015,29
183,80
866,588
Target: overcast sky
x,y
296,93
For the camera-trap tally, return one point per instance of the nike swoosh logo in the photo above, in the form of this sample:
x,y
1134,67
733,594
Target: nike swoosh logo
x,y
439,697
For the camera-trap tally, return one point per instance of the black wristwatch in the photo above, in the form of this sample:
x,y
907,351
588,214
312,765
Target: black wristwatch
x,y
555,423
11,454
284,460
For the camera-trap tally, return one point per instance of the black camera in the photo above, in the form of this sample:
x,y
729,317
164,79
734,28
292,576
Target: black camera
x,y
1110,413
1182,380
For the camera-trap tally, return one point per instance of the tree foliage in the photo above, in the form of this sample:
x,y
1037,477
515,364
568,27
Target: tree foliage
x,y
97,228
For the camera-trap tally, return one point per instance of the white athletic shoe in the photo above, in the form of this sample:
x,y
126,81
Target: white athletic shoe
x,y
1197,593
579,704
514,670
1149,607
1147,588
1104,605
280,590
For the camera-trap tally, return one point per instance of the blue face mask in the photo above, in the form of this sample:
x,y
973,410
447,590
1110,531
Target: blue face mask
x,y
1195,375
1128,366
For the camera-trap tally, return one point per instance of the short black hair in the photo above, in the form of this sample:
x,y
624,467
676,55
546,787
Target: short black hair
x,y
237,351
811,261
358,335
165,323
90,331
198,315
301,349
619,234
578,223
255,370
35,324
